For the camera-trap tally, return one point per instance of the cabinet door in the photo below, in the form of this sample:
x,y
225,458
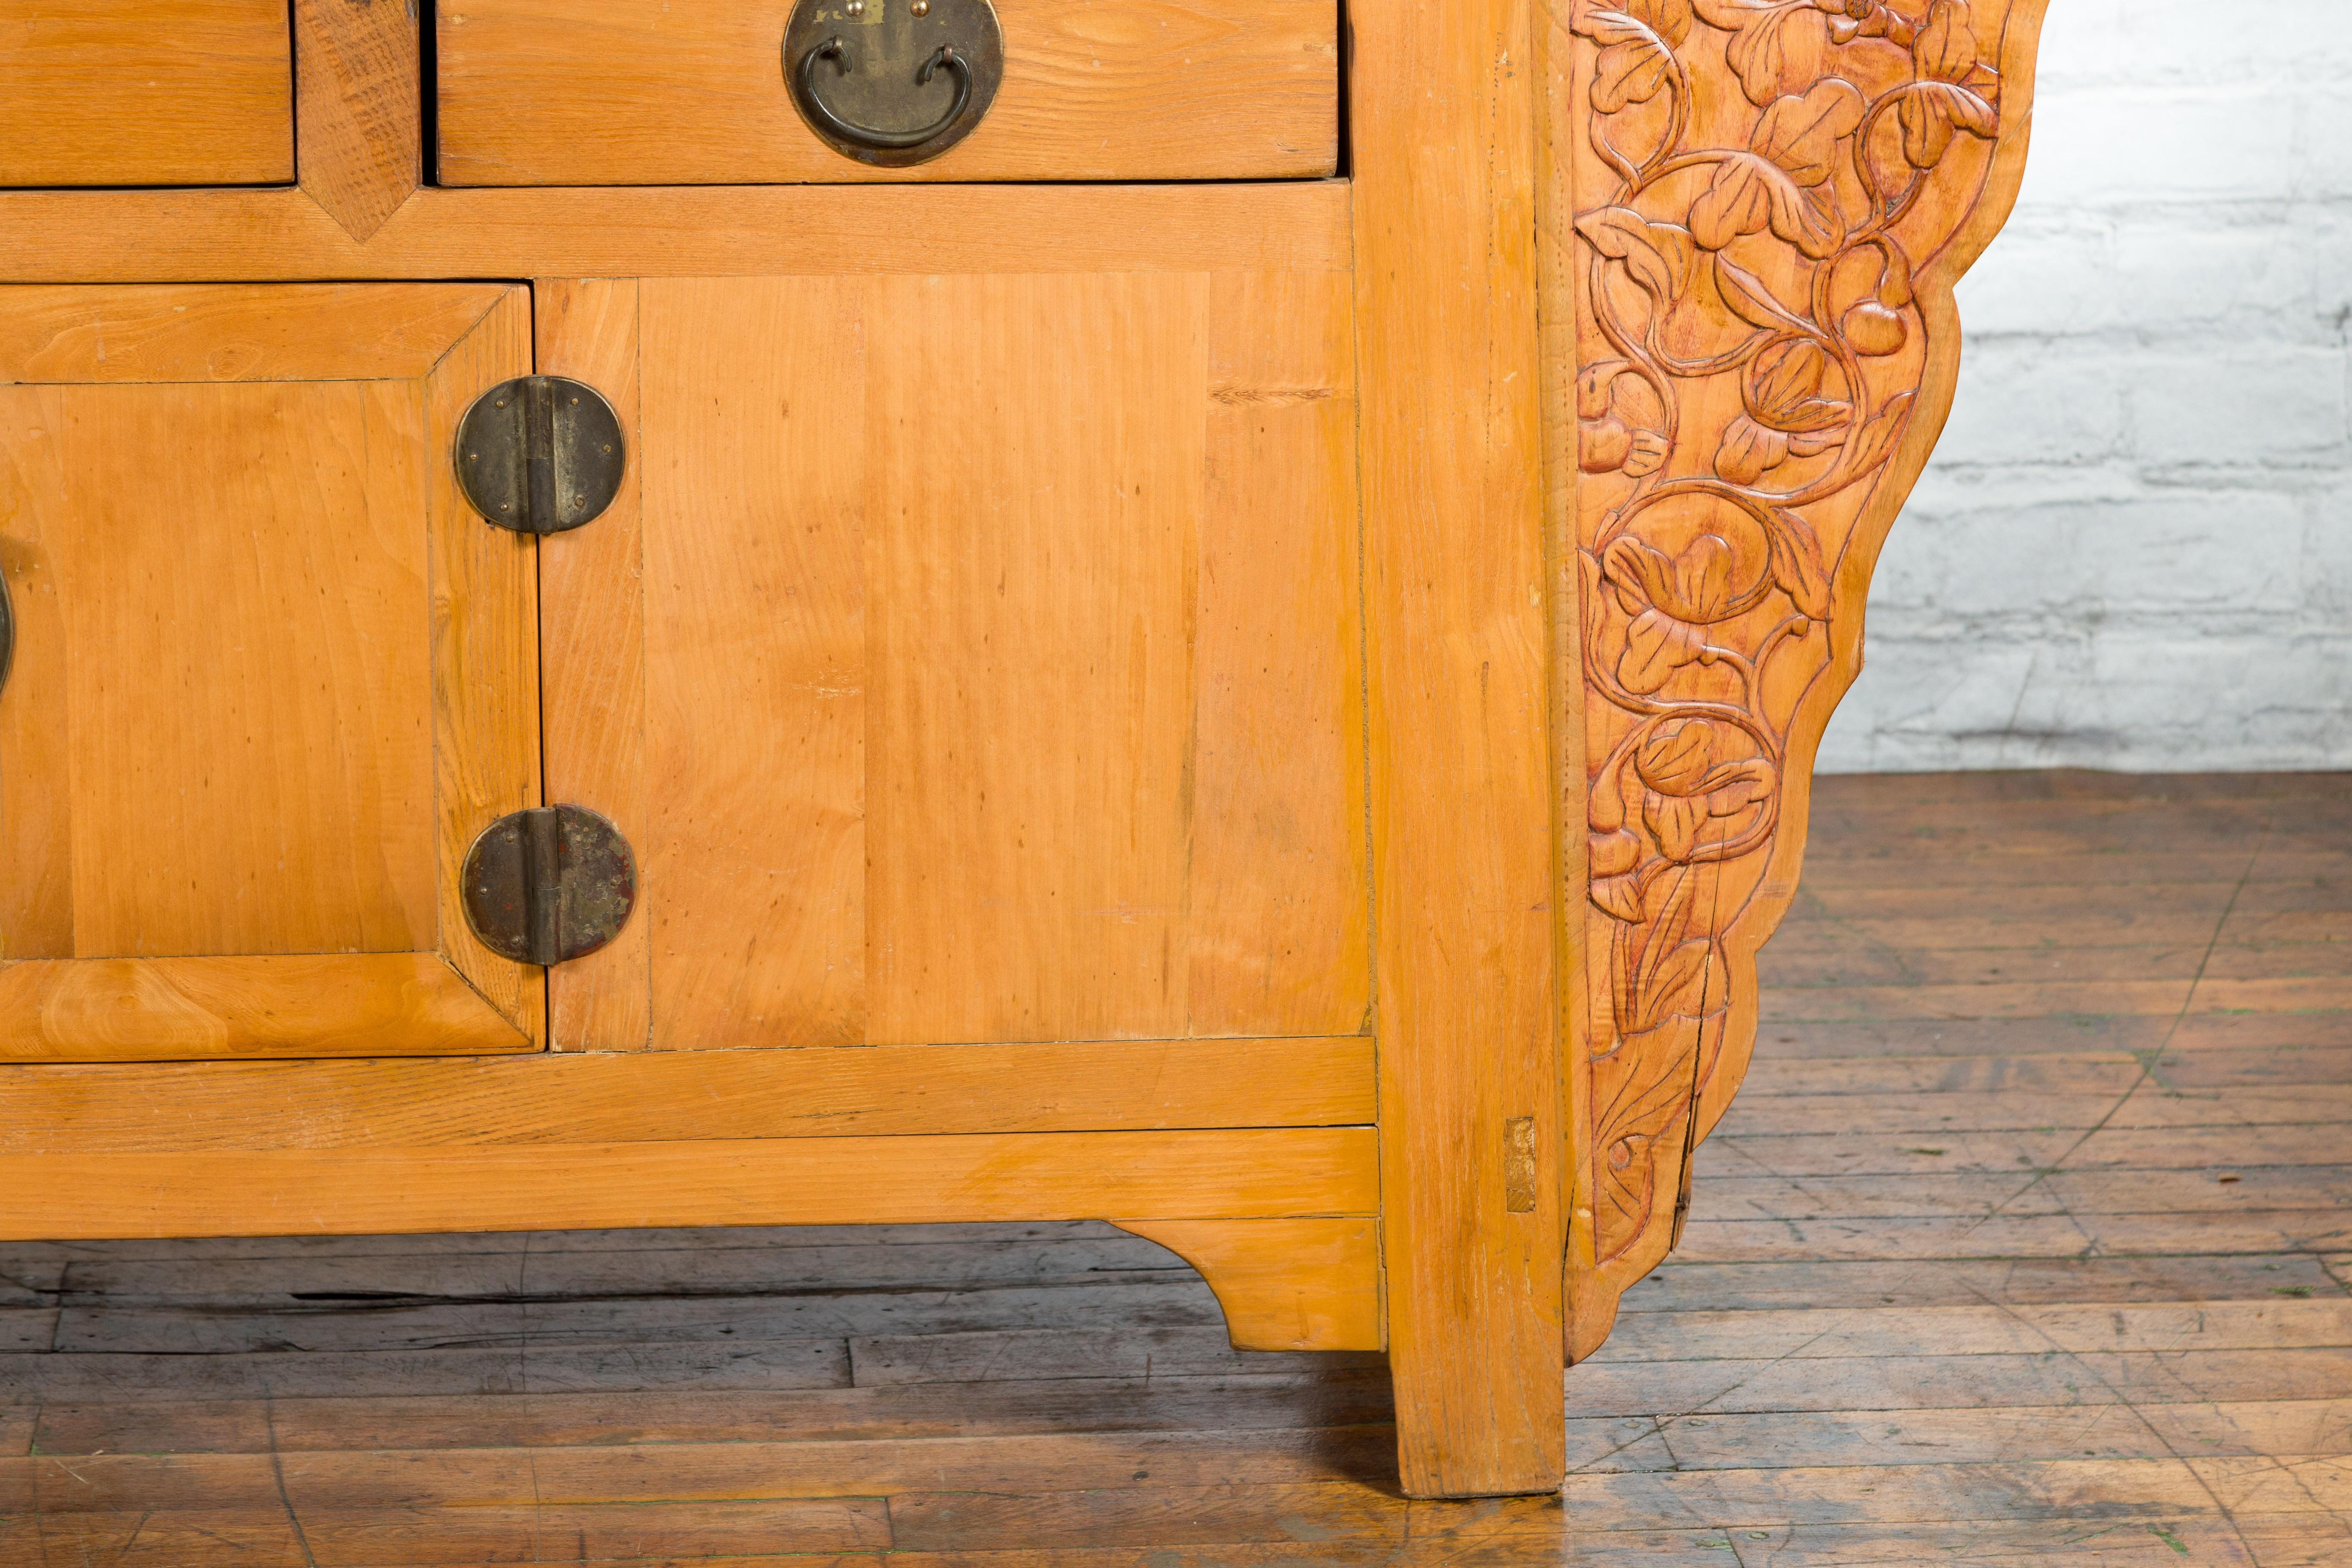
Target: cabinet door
x,y
974,658
271,677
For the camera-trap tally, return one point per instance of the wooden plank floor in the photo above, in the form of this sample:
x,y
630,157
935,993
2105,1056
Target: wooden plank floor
x,y
2027,1242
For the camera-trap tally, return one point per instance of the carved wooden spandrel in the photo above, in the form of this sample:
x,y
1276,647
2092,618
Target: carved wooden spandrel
x,y
1759,210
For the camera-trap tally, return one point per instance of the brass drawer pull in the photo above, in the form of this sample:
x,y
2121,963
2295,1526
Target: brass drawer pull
x,y
867,136
876,104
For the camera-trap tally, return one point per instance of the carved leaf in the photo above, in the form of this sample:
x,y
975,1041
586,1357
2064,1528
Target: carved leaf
x,y
1664,966
1750,301
1675,821
1695,586
1656,645
1797,564
1631,72
1749,451
1878,435
1657,254
1619,896
1893,276
1777,46
1736,786
1801,134
1749,192
1931,112
1669,19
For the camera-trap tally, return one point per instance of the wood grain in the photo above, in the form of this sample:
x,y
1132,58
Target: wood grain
x,y
592,631
484,673
149,92
157,332
360,112
264,786
617,1097
1750,412
1239,1175
284,237
1461,780
587,92
754,862
164,1009
1047,731
307,832
1277,709
1285,1284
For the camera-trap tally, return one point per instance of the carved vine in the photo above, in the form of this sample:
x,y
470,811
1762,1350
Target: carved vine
x,y
1764,179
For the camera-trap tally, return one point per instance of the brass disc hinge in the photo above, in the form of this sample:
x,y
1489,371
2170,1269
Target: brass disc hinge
x,y
553,883
540,454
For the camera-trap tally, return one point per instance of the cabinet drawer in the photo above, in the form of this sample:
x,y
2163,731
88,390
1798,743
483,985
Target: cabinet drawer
x,y
145,92
694,93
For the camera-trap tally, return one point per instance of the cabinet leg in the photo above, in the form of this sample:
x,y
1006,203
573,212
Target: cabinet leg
x,y
1471,1251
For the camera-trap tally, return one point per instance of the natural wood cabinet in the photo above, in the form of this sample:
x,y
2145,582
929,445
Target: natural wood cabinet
x,y
1271,707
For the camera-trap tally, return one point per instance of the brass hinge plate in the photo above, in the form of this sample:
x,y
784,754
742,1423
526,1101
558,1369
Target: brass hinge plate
x,y
540,454
549,884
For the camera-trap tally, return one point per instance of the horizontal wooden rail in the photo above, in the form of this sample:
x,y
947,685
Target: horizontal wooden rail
x,y
1244,1173
641,231
660,1096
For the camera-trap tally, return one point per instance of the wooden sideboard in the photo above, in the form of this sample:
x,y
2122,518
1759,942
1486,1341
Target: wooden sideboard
x,y
1237,652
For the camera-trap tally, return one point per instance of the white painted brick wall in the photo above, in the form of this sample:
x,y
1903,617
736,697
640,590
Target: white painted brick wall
x,y
2134,547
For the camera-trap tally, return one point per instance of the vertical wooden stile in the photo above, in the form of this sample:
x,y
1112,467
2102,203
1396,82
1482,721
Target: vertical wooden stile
x,y
1557,274
359,108
1461,700
592,628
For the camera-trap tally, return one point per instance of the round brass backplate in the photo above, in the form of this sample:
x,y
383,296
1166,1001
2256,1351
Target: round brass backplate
x,y
893,82
540,454
549,884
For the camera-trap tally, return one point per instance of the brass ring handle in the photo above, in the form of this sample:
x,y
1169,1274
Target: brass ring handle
x,y
865,135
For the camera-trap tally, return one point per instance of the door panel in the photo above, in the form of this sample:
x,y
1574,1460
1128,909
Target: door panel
x,y
1001,678
272,674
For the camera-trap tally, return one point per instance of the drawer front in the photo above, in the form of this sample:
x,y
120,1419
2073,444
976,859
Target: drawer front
x,y
694,93
270,676
145,92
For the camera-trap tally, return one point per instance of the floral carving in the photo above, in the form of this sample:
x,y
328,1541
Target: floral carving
x,y
1757,184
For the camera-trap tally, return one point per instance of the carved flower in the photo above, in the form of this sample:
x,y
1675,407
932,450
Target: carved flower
x,y
1776,45
1868,19
1782,181
1671,599
1637,38
1692,771
1605,443
1786,415
1944,100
